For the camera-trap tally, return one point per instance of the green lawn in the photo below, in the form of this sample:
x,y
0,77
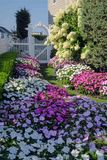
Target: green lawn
x,y
49,74
7,61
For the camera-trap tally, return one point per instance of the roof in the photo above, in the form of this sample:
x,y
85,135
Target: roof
x,y
4,30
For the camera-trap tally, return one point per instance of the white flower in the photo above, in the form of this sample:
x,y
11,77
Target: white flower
x,y
77,47
13,134
12,156
59,141
51,149
85,157
100,155
59,157
13,150
34,135
79,147
65,149
69,141
28,130
21,155
26,135
75,153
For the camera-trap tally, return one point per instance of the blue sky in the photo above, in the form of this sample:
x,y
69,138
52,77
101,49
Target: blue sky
x,y
37,8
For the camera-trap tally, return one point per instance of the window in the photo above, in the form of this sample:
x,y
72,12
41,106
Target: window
x,y
54,1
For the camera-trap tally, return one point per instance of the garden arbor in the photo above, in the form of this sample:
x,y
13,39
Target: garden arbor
x,y
34,44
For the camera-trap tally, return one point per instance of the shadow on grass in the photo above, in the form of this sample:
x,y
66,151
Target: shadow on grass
x,y
48,73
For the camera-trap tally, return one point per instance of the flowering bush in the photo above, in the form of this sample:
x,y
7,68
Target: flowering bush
x,y
64,35
23,88
69,71
90,81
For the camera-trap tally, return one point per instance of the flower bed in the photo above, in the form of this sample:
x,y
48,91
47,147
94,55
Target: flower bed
x,y
42,121
69,71
27,66
90,82
23,88
27,70
28,60
59,63
55,128
80,77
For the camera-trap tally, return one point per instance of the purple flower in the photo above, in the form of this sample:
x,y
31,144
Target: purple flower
x,y
89,125
87,113
28,121
53,133
92,147
59,119
97,118
24,125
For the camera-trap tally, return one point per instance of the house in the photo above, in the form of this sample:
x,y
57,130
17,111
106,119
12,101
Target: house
x,y
5,39
4,32
55,5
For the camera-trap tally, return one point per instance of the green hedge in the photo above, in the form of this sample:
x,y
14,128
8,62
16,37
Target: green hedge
x,y
7,61
92,21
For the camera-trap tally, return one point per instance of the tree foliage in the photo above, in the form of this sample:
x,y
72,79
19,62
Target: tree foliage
x,y
92,21
22,21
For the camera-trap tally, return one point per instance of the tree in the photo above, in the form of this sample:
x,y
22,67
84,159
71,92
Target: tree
x,y
22,21
92,18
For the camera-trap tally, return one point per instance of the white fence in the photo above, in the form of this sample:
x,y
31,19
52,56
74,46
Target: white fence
x,y
33,47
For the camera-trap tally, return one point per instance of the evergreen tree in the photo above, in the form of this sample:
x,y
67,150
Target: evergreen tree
x,y
22,21
92,18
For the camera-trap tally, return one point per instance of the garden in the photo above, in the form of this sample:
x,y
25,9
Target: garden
x,y
40,119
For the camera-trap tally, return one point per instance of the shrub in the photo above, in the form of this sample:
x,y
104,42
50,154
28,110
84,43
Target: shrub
x,y
65,35
92,21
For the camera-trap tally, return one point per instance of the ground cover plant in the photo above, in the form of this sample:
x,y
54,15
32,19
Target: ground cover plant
x,y
27,66
54,128
91,82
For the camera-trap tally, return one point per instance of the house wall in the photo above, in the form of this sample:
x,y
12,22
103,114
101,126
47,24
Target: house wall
x,y
55,5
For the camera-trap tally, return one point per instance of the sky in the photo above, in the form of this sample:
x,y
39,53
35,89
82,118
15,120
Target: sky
x,y
38,10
